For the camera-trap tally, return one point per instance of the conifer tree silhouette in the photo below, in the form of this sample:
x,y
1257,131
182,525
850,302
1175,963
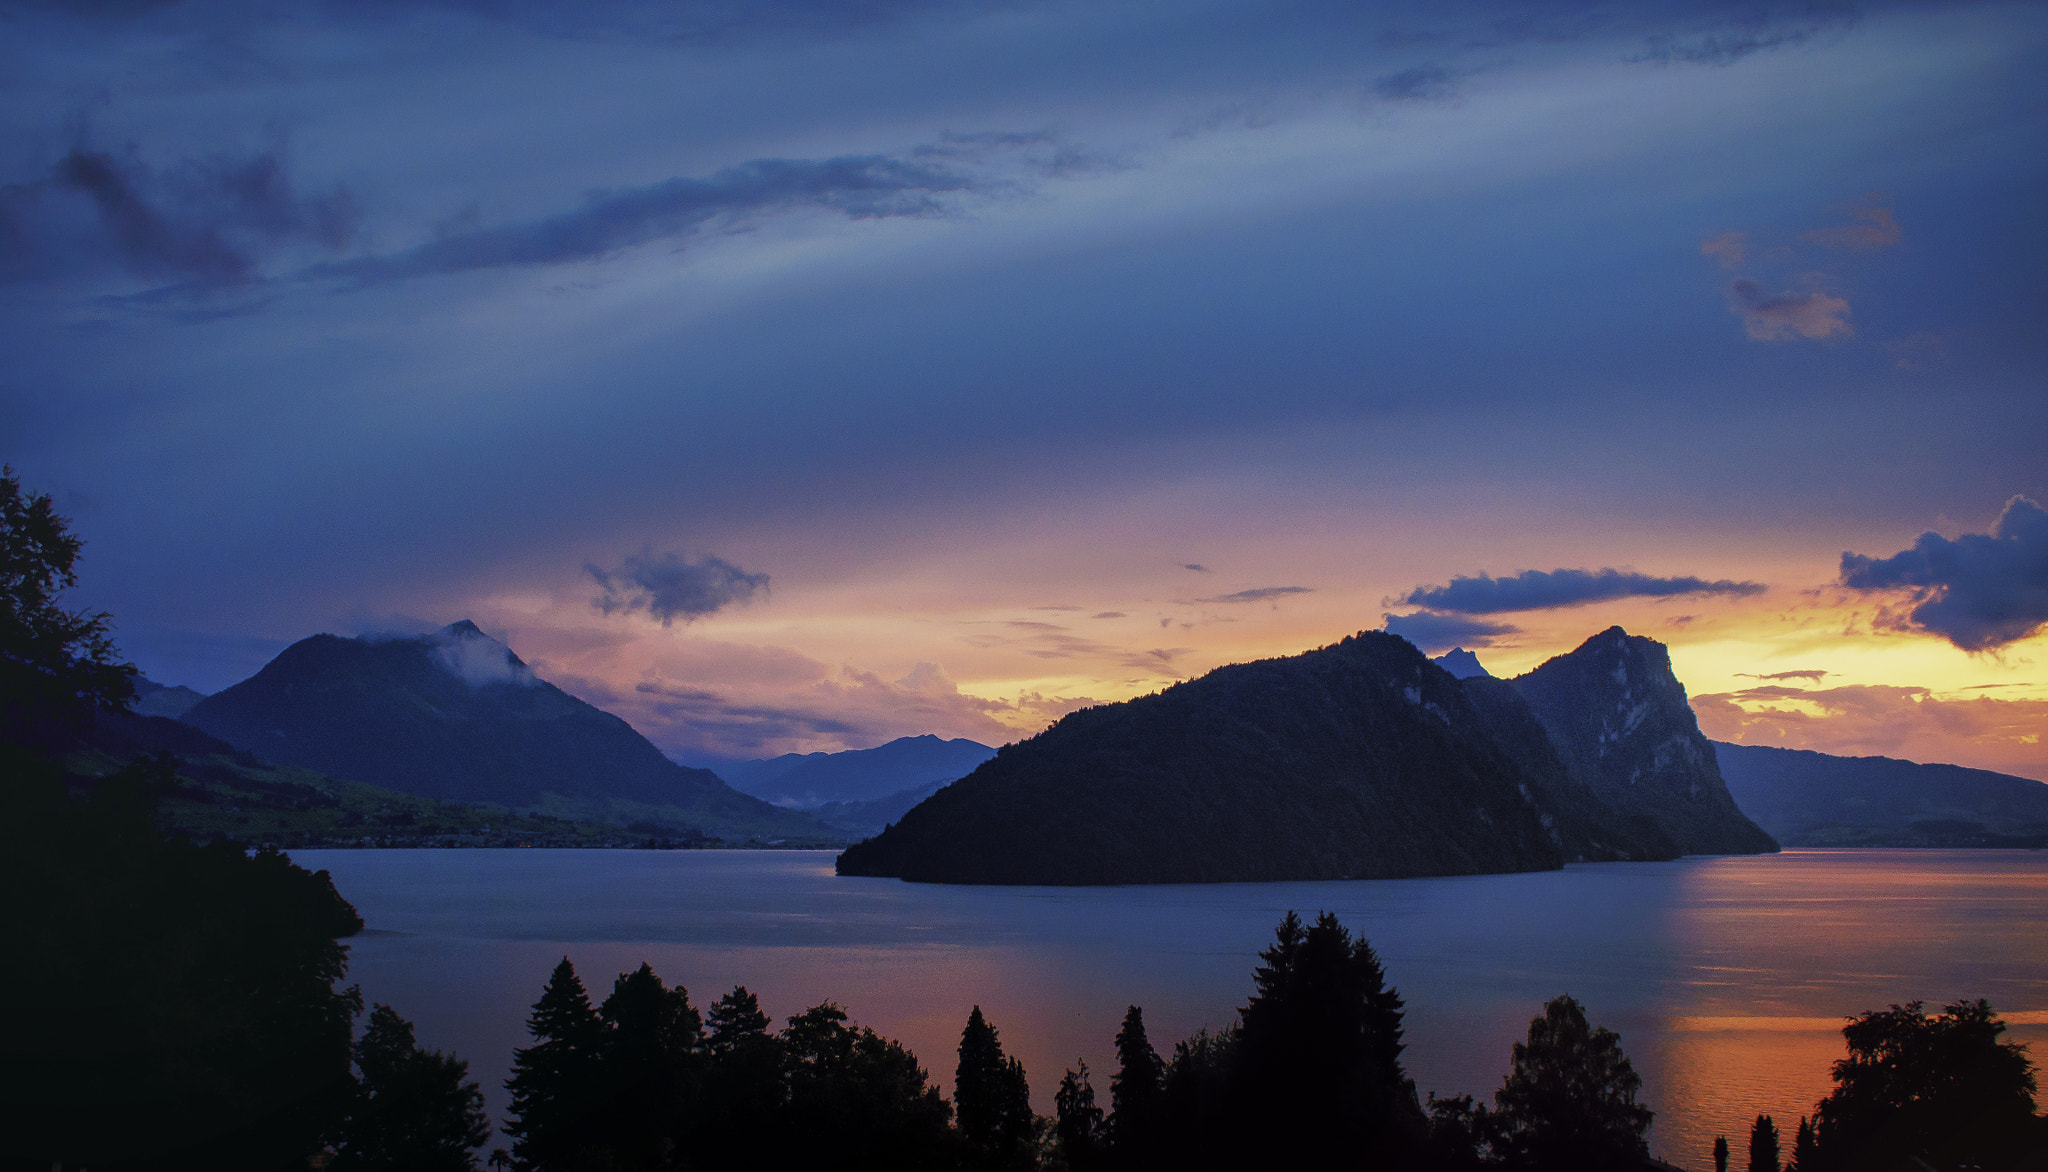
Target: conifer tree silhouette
x,y
991,1098
1135,1090
555,1083
1079,1129
413,1110
1763,1145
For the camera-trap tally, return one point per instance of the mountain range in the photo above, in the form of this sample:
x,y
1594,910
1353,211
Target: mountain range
x,y
1362,759
457,716
1814,799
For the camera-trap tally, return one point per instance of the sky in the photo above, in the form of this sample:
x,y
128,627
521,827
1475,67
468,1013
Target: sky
x,y
795,375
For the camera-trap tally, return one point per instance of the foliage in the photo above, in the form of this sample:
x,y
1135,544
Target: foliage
x,y
1763,1145
1805,1147
1939,1089
1079,1135
1569,1100
991,1097
1318,1062
413,1111
1135,1090
56,665
228,1048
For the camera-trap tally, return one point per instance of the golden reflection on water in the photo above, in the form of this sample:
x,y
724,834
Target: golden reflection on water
x,y
1784,950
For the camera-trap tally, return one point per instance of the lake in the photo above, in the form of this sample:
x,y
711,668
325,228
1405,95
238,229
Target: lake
x,y
1727,978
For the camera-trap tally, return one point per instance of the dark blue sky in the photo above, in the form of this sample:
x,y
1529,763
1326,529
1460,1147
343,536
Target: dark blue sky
x,y
969,325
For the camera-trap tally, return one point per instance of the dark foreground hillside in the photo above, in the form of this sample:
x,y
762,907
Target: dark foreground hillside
x,y
1358,760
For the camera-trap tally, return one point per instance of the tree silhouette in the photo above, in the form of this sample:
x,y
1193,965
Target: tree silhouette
x,y
56,665
1569,1100
856,1101
555,1083
1079,1131
1939,1089
1318,1073
651,1057
745,1092
1720,1153
991,1097
1135,1090
413,1110
1763,1145
1805,1153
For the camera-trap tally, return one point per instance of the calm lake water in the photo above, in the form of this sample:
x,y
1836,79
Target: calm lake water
x,y
1727,978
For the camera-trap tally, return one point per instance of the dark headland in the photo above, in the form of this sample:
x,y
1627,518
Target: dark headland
x,y
1359,760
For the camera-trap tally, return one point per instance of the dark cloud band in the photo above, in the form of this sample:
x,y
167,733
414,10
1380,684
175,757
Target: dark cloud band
x,y
1434,633
668,586
1541,590
1980,591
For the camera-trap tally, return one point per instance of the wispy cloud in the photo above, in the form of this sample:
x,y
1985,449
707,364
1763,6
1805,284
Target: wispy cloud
x,y
860,187
208,222
1729,249
1793,313
668,586
1548,590
1872,226
1980,591
1258,594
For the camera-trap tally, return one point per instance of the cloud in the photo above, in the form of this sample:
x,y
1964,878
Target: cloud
x,y
1258,594
1883,721
1436,633
1811,675
1108,614
669,586
479,659
1729,249
1196,567
1423,83
1980,591
1538,590
1740,38
1873,227
859,187
206,222
1784,316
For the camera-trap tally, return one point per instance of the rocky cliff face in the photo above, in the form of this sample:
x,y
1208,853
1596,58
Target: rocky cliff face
x,y
1619,720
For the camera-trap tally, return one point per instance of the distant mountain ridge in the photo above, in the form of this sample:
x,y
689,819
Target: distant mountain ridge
x,y
1815,799
1361,759
456,715
808,780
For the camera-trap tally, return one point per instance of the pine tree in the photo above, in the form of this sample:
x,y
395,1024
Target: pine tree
x,y
992,1099
1720,1153
1763,1145
555,1083
653,1050
1570,1099
1805,1156
1079,1130
413,1109
1134,1090
1319,1073
745,1089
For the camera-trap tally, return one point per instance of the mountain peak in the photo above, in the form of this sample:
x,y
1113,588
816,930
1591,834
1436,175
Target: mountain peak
x,y
477,659
1462,664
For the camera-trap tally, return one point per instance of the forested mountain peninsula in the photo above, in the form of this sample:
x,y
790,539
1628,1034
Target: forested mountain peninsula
x,y
1362,759
1813,799
1354,761
457,716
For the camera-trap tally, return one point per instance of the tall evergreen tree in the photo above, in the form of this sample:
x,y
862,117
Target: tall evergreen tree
x,y
745,1090
413,1110
1079,1130
1319,1075
1135,1090
653,1051
1720,1153
556,1082
1763,1145
992,1099
1805,1154
1569,1100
